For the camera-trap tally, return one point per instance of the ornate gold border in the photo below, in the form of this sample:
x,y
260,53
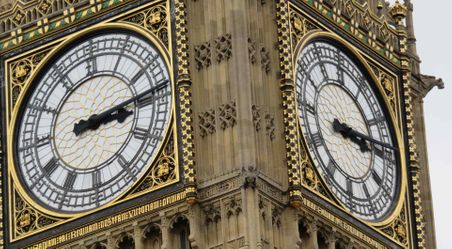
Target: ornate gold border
x,y
400,141
64,41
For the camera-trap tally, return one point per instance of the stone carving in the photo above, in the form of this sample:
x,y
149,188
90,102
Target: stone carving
x,y
207,122
252,51
223,47
203,55
398,229
227,115
212,214
234,207
269,121
265,60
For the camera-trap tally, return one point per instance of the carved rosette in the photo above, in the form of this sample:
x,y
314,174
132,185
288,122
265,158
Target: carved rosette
x,y
154,19
26,219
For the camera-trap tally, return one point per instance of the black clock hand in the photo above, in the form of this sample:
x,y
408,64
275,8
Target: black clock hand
x,y
95,120
346,131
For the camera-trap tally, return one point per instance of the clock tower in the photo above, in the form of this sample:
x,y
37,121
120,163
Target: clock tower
x,y
207,124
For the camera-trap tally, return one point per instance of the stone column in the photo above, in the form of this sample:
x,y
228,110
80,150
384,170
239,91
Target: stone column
x,y
331,240
110,241
165,228
312,242
291,235
138,236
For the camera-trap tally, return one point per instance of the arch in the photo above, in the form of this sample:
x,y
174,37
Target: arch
x,y
125,241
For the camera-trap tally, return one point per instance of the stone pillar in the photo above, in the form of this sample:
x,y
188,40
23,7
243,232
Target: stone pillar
x,y
138,236
165,228
312,242
291,235
111,242
331,240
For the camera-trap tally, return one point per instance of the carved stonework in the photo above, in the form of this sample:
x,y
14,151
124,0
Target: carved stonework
x,y
264,119
20,71
28,220
203,55
265,60
227,115
207,122
154,19
223,47
212,214
252,51
234,207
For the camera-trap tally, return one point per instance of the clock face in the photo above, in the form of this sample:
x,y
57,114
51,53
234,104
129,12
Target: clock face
x,y
347,130
79,144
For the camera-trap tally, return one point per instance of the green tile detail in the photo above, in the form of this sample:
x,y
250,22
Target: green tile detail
x,y
1,46
105,5
78,15
26,36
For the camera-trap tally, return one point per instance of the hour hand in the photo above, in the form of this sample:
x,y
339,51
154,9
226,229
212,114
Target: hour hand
x,y
348,132
95,121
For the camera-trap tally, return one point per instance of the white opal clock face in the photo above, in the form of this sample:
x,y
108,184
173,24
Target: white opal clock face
x,y
357,157
67,171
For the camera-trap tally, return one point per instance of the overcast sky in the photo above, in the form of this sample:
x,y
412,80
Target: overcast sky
x,y
434,36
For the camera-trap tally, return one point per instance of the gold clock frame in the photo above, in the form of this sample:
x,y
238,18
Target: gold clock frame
x,y
398,134
58,45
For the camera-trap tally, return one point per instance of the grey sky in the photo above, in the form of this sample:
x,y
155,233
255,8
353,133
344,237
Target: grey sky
x,y
434,35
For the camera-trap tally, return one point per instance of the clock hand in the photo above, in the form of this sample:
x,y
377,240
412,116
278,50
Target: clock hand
x,y
95,120
349,132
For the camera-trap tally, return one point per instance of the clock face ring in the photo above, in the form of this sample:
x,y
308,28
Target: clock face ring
x,y
347,129
113,85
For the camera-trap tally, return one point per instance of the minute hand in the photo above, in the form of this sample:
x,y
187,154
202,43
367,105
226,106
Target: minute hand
x,y
370,139
83,125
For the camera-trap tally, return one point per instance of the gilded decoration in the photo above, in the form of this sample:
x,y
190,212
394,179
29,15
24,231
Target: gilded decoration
x,y
163,172
310,176
27,219
20,71
299,27
398,229
376,32
289,102
154,19
30,21
185,98
388,83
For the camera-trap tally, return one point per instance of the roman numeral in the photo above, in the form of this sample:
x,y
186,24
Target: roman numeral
x,y
70,180
379,153
366,191
349,188
376,120
50,166
316,139
376,177
137,76
123,162
140,133
97,181
309,107
331,168
44,140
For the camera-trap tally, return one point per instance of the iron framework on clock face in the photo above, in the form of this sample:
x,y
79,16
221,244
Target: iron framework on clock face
x,y
71,173
330,86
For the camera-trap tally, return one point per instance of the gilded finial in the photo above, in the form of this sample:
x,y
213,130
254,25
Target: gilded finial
x,y
398,11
